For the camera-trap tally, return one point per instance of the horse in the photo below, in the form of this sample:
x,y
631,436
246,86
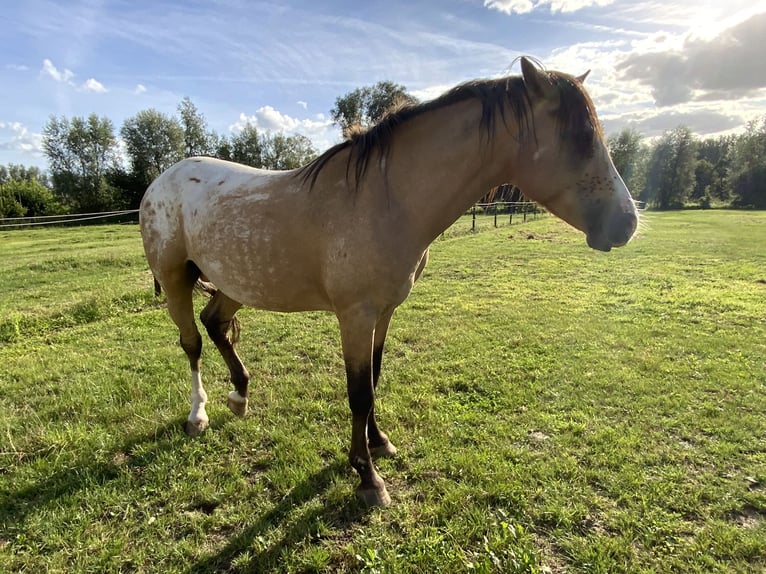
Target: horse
x,y
349,232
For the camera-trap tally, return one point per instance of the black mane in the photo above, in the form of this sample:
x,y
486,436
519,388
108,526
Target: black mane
x,y
576,120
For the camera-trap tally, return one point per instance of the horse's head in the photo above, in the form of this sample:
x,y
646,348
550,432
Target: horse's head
x,y
564,163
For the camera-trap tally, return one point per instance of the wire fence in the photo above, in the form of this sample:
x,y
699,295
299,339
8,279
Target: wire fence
x,y
68,219
480,216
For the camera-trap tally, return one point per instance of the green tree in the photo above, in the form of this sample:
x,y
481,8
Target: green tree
x,y
81,152
220,146
366,106
10,206
197,140
749,165
718,152
629,154
279,151
245,147
704,178
670,171
154,141
27,198
20,172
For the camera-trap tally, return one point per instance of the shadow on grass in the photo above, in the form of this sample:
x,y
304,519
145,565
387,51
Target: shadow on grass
x,y
17,504
296,525
300,529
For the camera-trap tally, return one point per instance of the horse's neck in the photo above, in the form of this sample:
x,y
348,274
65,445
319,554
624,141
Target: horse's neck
x,y
444,162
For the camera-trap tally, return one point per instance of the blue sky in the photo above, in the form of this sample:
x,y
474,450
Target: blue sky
x,y
281,65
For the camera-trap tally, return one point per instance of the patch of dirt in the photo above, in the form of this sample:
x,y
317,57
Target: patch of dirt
x,y
537,437
749,517
119,458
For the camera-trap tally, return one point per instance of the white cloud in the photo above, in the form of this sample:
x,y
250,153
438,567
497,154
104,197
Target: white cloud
x,y
95,86
721,67
21,139
320,130
430,92
64,75
304,105
526,6
140,89
17,67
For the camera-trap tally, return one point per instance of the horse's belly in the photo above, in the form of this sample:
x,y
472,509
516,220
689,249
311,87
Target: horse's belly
x,y
269,286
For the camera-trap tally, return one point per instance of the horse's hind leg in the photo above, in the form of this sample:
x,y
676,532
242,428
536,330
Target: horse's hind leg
x,y
179,287
218,318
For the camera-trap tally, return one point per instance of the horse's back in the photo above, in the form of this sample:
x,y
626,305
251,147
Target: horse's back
x,y
193,186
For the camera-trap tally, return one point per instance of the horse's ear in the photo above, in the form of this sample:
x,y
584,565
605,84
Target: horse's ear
x,y
581,78
537,81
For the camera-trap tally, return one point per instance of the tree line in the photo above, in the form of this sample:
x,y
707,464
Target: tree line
x,y
91,169
679,169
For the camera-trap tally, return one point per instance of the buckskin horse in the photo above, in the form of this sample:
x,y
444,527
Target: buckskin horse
x,y
349,232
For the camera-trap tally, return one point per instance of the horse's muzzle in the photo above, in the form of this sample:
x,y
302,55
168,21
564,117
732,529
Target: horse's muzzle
x,y
616,233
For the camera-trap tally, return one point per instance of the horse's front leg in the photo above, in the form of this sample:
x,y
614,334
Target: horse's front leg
x,y
357,330
377,440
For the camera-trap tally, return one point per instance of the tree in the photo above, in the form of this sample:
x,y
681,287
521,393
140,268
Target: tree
x,y
197,141
220,146
19,198
670,173
704,178
10,206
245,147
154,141
279,151
749,165
366,106
80,154
629,155
718,153
18,172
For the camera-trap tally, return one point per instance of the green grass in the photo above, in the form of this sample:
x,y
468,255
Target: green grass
x,y
555,409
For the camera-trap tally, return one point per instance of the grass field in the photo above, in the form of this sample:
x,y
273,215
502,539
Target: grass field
x,y
555,409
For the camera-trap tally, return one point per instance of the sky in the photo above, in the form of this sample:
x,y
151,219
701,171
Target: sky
x,y
281,65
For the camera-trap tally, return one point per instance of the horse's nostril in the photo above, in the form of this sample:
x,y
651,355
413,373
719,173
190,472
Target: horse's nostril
x,y
622,227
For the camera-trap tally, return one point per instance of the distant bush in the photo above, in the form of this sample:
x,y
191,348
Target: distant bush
x,y
20,198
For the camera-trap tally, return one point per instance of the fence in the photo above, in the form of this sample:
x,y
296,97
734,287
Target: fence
x,y
486,215
69,219
479,215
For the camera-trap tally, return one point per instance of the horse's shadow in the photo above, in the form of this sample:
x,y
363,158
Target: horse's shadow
x,y
17,504
340,516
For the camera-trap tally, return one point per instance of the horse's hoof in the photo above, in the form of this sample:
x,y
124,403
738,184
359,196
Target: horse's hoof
x,y
385,450
237,404
195,428
374,496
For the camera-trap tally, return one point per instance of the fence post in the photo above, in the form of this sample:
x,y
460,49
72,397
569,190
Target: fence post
x,y
524,209
495,215
473,219
510,218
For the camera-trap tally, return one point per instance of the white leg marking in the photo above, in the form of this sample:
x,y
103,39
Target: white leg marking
x,y
198,399
237,404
